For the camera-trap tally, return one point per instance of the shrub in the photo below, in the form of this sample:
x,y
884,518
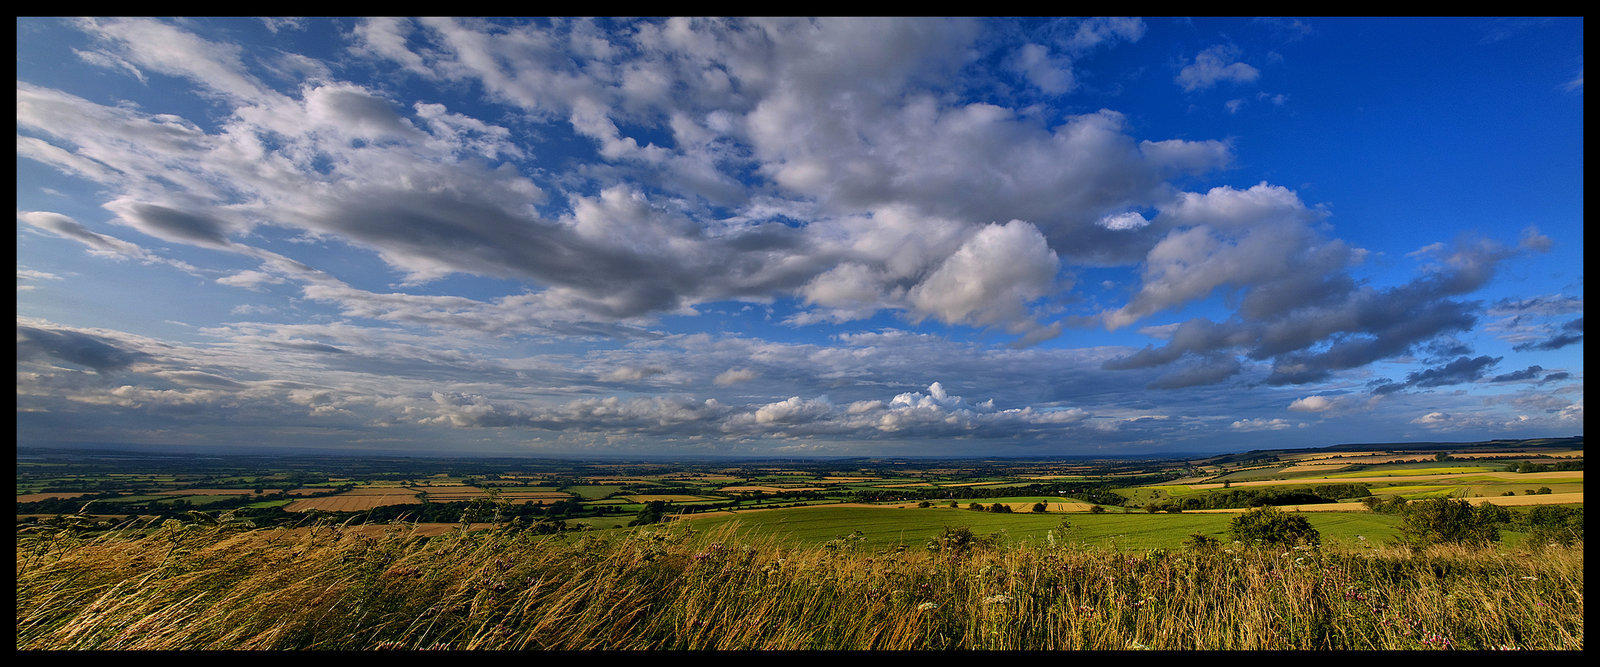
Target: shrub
x,y
1542,490
1038,507
976,507
960,540
1442,520
924,504
1272,526
1200,542
1553,524
1096,509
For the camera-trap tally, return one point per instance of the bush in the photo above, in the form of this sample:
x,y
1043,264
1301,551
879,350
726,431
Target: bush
x,y
1096,509
1553,524
1200,542
1442,521
960,540
1543,490
1272,526
976,507
924,504
1038,507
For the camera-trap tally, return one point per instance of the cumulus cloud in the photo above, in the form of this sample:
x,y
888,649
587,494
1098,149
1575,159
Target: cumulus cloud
x,y
826,171
1299,308
1218,64
1261,425
735,376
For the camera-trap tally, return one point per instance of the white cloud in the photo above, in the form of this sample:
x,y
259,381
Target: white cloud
x,y
1215,65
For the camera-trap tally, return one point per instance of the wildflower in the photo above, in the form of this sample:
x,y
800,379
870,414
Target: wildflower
x,y
927,606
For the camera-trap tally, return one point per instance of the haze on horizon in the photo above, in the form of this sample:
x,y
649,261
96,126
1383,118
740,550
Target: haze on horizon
x,y
773,237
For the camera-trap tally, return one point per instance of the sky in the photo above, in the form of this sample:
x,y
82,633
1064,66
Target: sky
x,y
790,237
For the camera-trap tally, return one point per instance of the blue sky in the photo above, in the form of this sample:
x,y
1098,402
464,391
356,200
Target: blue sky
x,y
798,238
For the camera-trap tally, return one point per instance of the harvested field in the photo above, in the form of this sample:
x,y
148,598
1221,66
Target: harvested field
x,y
1504,501
34,497
1529,477
1514,501
207,492
351,502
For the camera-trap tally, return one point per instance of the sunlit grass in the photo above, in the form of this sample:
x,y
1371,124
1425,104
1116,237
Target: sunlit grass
x,y
193,587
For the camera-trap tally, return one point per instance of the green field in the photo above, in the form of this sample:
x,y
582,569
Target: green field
x,y
1393,470
592,491
888,527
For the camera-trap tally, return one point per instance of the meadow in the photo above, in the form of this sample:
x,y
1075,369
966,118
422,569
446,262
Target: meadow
x,y
180,586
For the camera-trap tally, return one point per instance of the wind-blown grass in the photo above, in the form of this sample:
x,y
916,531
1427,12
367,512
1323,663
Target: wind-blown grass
x,y
207,587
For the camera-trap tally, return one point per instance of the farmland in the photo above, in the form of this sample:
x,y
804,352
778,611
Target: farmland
x,y
1332,480
799,524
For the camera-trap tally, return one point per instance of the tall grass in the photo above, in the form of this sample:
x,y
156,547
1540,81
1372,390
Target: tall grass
x,y
196,587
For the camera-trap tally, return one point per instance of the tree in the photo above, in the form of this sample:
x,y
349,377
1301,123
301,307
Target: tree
x,y
1038,507
1272,526
1543,490
1096,509
976,507
651,513
1443,520
924,504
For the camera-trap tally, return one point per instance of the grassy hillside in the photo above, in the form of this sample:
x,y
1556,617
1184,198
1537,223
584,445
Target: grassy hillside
x,y
191,587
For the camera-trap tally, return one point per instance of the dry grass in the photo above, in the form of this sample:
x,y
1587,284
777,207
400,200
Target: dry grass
x,y
192,587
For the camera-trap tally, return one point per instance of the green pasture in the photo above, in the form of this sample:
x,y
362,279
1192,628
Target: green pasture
x,y
887,527
592,491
